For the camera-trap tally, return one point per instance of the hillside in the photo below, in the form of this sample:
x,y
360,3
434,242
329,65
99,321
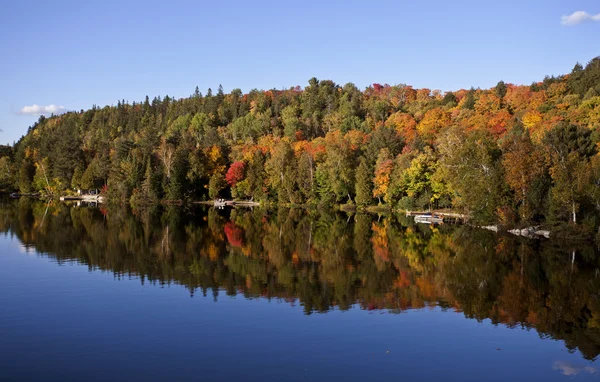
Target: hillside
x,y
511,153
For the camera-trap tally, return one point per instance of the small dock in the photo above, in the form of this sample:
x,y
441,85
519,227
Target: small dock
x,y
437,217
428,219
232,203
83,198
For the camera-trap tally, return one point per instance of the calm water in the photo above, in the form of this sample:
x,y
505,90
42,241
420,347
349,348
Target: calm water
x,y
192,294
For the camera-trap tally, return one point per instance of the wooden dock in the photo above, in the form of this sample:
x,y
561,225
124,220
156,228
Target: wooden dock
x,y
437,217
220,203
83,198
428,219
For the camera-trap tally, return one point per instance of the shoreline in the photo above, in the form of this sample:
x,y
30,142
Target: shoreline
x,y
433,217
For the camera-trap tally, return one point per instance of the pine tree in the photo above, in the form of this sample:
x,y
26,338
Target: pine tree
x,y
470,100
26,173
177,181
148,190
500,89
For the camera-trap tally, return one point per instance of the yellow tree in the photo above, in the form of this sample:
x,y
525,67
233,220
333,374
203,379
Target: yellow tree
x,y
487,103
383,172
433,121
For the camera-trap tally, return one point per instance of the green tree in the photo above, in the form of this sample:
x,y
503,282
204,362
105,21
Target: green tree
x,y
469,102
291,121
305,177
216,185
26,173
470,165
6,173
177,187
364,184
280,169
500,89
569,148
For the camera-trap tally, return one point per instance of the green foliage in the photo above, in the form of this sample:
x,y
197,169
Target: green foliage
x,y
280,171
6,174
26,172
581,79
216,185
419,184
291,121
470,166
469,102
330,144
500,89
177,187
449,99
364,184
305,178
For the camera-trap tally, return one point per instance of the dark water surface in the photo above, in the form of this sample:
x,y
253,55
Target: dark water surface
x,y
191,294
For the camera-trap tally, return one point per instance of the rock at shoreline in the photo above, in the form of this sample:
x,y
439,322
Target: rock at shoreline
x,y
530,232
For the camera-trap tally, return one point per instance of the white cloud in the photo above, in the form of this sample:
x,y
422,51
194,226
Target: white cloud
x,y
578,18
42,110
569,369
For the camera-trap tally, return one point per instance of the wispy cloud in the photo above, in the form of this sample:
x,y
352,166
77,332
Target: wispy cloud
x,y
578,18
42,110
570,369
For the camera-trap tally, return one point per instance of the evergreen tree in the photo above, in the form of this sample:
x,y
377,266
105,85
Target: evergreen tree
x,y
26,173
500,89
469,102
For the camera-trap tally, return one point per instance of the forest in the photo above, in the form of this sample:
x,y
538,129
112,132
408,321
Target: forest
x,y
324,260
511,154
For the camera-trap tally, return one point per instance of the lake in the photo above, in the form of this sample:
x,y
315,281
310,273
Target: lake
x,y
190,293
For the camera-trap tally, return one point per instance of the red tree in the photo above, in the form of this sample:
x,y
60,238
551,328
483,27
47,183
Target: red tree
x,y
235,235
235,173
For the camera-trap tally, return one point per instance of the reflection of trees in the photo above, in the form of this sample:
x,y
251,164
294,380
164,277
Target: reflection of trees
x,y
324,260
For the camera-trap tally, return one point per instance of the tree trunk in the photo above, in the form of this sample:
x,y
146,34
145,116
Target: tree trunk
x,y
311,175
574,213
524,208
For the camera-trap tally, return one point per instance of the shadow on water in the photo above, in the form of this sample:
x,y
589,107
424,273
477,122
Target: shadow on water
x,y
325,260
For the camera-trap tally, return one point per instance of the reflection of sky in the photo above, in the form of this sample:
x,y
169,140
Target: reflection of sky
x,y
12,241
58,321
571,369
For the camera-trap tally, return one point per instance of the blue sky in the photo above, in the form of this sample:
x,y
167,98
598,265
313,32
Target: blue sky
x,y
76,54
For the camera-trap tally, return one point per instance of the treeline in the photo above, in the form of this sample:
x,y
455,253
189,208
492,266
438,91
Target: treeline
x,y
510,153
323,260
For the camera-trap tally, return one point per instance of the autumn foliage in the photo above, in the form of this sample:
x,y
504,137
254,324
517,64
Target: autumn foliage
x,y
511,148
234,234
235,173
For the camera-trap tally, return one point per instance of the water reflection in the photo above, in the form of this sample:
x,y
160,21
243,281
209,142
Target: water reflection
x,y
571,370
326,260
